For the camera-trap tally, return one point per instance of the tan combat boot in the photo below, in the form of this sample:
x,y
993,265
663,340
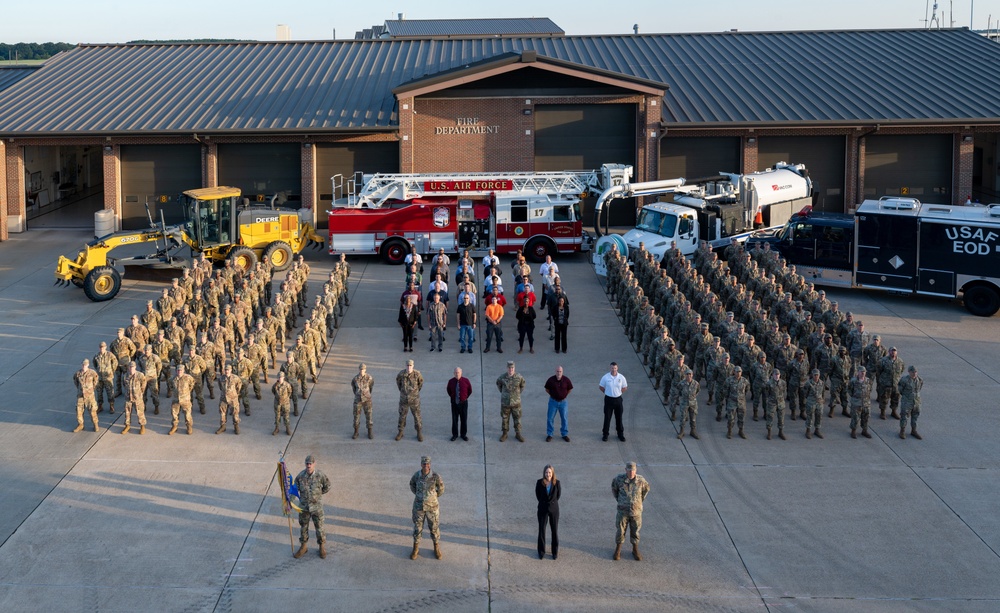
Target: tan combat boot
x,y
301,552
781,434
437,551
755,417
275,431
742,434
518,436
818,433
173,429
355,434
236,428
399,435
694,433
126,429
915,434
142,429
769,434
854,433
902,432
221,429
78,428
420,435
635,552
865,433
729,432
416,551
322,550
96,427
190,429
617,555
288,430
370,434
503,436
111,409
680,434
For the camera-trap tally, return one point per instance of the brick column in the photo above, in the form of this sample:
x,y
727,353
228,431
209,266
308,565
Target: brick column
x,y
963,167
113,182
406,111
3,193
851,176
749,154
309,178
16,204
210,165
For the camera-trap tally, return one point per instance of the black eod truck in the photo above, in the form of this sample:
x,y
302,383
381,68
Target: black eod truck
x,y
901,245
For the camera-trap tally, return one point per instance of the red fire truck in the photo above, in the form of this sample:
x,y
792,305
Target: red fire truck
x,y
538,212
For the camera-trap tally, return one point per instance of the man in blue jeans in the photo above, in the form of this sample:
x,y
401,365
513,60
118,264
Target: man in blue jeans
x,y
558,388
466,323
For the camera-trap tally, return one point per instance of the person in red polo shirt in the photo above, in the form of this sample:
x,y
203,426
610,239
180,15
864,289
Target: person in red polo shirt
x,y
459,390
558,387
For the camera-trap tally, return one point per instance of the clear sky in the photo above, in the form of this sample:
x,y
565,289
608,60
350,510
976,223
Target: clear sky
x,y
115,21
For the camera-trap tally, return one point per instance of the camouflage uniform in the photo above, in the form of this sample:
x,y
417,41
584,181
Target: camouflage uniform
x,y
85,380
687,394
840,375
775,393
296,377
229,401
311,489
815,389
629,494
890,369
723,371
106,365
283,395
243,367
409,384
124,349
151,367
362,384
909,402
183,386
860,391
135,389
736,403
798,377
196,366
426,491
510,385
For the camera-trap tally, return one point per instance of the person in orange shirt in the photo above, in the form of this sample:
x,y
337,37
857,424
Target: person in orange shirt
x,y
494,329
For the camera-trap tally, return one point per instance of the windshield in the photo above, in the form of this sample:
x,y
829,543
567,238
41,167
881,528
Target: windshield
x,y
657,222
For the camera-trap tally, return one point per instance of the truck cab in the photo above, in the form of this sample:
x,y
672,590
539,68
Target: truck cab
x,y
821,245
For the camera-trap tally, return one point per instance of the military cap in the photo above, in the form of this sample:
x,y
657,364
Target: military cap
x,y
834,303
362,366
798,303
725,356
670,343
730,314
149,347
409,362
843,350
659,320
86,362
786,337
149,302
629,465
738,369
822,293
876,338
122,330
912,368
800,352
103,344
826,336
815,371
862,369
687,371
893,349
425,460
849,314
310,459
704,326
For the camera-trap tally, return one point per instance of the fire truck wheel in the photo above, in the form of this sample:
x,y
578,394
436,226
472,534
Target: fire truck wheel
x,y
982,300
394,251
244,257
279,253
538,248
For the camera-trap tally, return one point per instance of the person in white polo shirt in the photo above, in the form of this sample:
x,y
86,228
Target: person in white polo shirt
x,y
613,385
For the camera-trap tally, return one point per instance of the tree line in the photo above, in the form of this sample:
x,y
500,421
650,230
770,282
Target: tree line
x,y
32,51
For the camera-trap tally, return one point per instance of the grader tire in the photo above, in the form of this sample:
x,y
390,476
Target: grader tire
x,y
244,257
280,254
102,283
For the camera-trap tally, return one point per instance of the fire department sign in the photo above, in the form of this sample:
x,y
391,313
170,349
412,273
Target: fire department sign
x,y
441,217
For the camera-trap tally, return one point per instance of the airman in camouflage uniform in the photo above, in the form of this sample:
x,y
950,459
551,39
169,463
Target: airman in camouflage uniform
x,y
872,355
106,365
283,394
243,368
860,390
85,381
135,389
737,388
629,490
229,399
723,371
890,369
362,384
427,486
760,373
687,393
410,382
183,387
910,387
815,390
713,357
674,375
798,374
311,484
775,393
296,377
840,375
510,384
196,366
137,332
151,367
151,318
124,349
306,356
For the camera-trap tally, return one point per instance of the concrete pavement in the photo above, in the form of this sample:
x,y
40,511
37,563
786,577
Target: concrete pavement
x,y
104,522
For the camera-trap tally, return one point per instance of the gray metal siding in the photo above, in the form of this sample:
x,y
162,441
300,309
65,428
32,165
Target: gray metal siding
x,y
715,79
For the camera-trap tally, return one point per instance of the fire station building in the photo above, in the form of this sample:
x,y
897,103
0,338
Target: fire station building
x,y
870,113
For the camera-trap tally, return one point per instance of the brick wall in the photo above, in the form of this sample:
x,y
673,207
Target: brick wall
x,y
3,192
16,196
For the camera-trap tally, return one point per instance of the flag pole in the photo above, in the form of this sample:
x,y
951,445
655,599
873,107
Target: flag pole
x,y
285,506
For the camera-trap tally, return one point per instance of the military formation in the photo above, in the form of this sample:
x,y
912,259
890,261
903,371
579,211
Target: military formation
x,y
217,330
762,339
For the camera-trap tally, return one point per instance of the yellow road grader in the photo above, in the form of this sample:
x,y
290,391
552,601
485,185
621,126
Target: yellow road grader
x,y
215,223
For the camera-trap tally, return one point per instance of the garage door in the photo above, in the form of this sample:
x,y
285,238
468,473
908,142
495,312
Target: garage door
x,y
263,170
692,157
157,174
918,166
824,158
584,136
345,159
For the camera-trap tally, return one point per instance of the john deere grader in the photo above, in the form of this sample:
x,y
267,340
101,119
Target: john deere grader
x,y
216,224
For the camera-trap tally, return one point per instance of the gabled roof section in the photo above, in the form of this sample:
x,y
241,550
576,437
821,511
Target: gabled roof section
x,y
510,62
715,80
10,75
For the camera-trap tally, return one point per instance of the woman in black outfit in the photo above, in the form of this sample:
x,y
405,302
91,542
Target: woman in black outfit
x,y
559,312
525,326
408,318
547,491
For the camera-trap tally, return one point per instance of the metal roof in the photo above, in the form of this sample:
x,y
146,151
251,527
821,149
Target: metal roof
x,y
10,75
409,28
715,80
